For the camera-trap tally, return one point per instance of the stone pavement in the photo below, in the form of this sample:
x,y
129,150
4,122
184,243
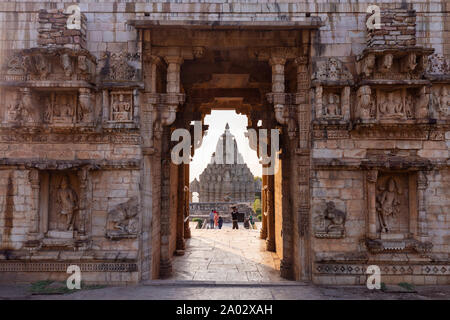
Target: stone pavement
x,y
180,291
227,255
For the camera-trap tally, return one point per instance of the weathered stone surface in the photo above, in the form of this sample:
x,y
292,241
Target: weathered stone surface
x,y
86,116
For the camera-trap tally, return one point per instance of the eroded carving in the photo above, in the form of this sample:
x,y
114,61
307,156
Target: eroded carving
x,y
391,205
122,221
121,109
331,224
67,200
365,103
441,100
332,70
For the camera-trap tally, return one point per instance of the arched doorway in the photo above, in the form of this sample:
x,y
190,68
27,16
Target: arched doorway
x,y
270,85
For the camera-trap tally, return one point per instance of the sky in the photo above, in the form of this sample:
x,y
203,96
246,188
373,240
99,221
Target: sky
x,y
238,126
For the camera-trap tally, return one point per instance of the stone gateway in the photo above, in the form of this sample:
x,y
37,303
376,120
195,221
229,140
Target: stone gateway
x,y
88,105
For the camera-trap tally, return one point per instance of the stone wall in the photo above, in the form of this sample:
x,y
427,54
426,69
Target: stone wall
x,y
356,142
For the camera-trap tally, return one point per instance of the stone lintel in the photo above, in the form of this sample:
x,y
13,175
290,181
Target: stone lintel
x,y
305,23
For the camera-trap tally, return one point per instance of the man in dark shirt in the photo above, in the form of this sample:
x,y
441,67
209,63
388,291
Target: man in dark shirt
x,y
234,217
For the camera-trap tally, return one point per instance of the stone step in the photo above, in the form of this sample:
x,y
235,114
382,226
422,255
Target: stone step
x,y
190,283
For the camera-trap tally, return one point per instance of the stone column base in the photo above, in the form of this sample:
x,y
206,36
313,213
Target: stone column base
x,y
286,270
270,245
263,234
187,233
165,268
181,245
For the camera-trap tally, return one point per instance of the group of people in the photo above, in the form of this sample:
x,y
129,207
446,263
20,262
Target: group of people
x,y
216,221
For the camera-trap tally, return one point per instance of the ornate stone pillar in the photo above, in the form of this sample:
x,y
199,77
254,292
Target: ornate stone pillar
x,y
180,210
34,233
187,199
270,242
371,183
264,199
277,96
83,176
422,225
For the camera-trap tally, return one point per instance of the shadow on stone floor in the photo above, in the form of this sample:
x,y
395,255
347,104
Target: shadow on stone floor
x,y
226,255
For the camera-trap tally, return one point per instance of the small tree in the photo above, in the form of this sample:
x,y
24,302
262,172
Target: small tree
x,y
257,206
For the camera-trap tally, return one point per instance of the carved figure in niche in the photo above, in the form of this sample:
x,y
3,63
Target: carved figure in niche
x,y
365,103
387,62
63,112
67,199
441,100
409,106
42,66
66,64
122,221
121,108
368,65
20,108
422,104
332,107
388,203
411,62
391,105
47,110
85,110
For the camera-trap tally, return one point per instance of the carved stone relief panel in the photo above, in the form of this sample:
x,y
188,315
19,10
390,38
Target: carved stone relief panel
x,y
63,204
392,204
61,108
391,104
440,98
123,220
331,223
121,66
365,103
402,104
20,107
121,106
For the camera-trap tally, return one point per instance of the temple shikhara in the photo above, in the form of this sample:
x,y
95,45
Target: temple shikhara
x,y
91,93
226,178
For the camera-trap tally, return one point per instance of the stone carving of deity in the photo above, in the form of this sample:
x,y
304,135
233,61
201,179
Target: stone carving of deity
x,y
67,199
63,111
422,104
387,62
121,109
368,65
411,62
441,101
333,108
365,102
388,203
391,105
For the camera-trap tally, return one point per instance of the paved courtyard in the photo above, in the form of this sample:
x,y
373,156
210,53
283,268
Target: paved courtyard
x,y
227,255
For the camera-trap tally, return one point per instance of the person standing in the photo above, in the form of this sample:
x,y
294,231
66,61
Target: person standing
x,y
211,219
252,222
234,218
220,222
216,219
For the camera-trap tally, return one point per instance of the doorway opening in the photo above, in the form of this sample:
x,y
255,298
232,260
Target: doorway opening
x,y
225,172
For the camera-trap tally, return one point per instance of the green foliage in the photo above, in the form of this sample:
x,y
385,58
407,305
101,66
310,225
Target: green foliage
x,y
46,287
259,216
257,206
407,286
